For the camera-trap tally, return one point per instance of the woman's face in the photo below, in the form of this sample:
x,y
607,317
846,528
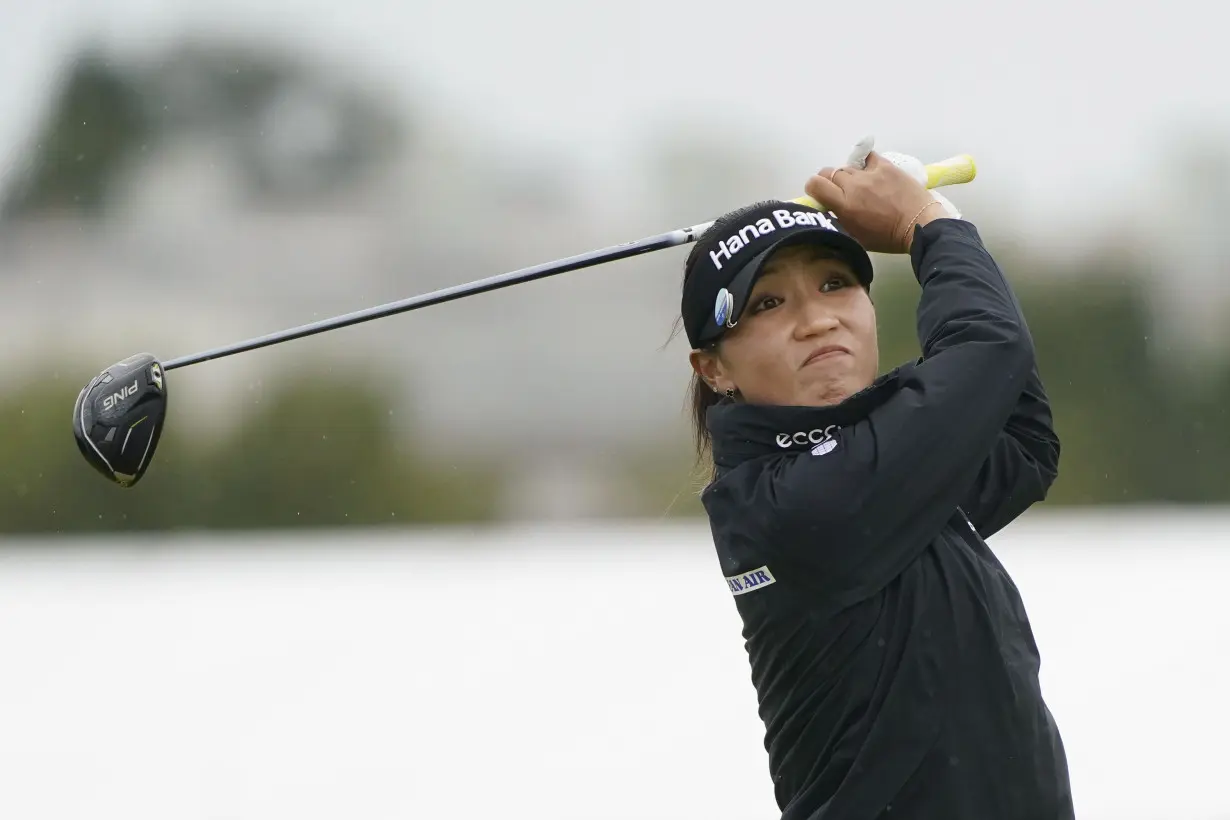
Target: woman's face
x,y
806,338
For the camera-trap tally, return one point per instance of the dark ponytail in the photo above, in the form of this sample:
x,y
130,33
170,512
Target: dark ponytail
x,y
701,397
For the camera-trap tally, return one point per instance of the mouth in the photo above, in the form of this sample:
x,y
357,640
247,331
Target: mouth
x,y
825,353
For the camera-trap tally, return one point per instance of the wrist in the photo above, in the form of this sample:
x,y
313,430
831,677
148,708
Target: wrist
x,y
932,211
928,213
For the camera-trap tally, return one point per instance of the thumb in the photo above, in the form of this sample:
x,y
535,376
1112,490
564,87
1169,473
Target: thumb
x,y
862,149
822,189
874,160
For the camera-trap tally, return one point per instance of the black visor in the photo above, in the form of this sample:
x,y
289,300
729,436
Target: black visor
x,y
729,262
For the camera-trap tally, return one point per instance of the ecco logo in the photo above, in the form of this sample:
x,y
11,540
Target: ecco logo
x,y
819,436
111,401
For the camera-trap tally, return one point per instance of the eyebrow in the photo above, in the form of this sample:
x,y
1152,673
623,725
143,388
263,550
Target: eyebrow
x,y
813,254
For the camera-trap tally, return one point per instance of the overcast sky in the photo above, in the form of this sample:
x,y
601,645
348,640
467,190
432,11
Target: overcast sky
x,y
1061,102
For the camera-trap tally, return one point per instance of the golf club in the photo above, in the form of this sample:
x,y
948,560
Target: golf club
x,y
118,417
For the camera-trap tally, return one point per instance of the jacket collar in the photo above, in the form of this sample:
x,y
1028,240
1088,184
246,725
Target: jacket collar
x,y
744,431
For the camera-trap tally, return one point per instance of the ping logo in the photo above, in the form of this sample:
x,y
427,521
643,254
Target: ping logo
x,y
111,401
750,581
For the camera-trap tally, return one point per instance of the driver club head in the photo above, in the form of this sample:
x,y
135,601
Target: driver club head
x,y
118,417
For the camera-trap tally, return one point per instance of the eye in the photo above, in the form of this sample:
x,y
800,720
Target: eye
x,y
834,283
766,303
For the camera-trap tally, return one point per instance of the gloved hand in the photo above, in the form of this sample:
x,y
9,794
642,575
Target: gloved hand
x,y
879,205
912,165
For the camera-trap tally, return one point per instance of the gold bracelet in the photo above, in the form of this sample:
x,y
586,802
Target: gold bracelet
x,y
921,211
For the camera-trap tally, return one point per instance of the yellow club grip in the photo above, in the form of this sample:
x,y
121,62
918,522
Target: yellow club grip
x,y
956,170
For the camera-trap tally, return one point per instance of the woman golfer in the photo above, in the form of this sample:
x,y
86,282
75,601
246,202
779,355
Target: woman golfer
x,y
894,664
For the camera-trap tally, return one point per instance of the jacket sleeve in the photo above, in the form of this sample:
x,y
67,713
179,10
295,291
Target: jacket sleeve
x,y
1022,464
857,516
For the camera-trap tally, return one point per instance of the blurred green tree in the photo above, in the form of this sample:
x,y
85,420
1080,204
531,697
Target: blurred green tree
x,y
96,123
1091,343
1135,427
289,127
319,452
322,452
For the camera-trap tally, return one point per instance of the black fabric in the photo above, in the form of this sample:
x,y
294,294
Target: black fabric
x,y
733,258
894,663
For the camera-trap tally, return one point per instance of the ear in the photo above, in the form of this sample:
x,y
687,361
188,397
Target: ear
x,y
708,366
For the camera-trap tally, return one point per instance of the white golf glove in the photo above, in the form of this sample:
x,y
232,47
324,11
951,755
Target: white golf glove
x,y
911,165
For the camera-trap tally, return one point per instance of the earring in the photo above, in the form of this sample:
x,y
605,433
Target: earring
x,y
730,393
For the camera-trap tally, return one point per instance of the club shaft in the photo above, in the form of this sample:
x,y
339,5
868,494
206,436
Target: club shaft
x,y
654,243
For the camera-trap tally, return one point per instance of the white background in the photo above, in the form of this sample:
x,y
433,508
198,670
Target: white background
x,y
593,672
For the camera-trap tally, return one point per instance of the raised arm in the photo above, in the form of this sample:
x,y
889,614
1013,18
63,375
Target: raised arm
x,y
861,513
1022,464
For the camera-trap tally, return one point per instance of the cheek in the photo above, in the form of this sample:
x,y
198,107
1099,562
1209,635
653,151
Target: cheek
x,y
757,363
861,320
868,329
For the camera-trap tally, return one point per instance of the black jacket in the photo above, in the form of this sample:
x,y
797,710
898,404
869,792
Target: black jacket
x,y
895,667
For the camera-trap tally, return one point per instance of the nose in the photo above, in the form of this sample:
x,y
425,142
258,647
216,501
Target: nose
x,y
816,317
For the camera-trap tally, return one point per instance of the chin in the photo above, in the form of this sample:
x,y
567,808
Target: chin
x,y
828,392
831,399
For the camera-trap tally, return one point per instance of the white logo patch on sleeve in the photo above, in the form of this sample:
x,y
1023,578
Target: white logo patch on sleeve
x,y
750,581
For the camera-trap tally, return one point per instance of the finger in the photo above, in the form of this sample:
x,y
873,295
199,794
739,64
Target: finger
x,y
862,149
834,175
822,189
843,175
